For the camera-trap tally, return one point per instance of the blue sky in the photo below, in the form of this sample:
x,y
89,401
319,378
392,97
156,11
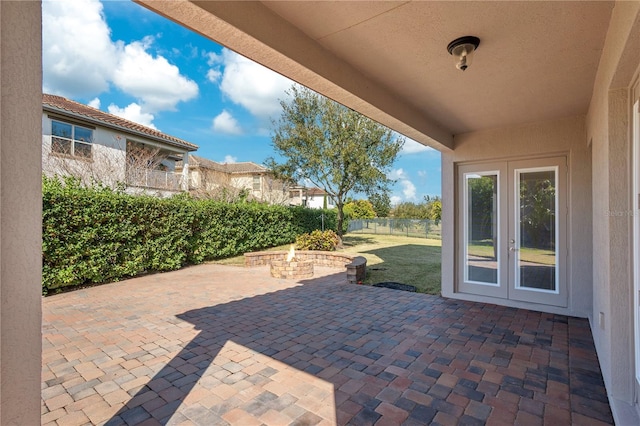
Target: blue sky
x,y
128,61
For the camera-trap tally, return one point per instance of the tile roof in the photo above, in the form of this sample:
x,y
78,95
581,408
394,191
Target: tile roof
x,y
243,167
246,167
316,191
71,108
196,161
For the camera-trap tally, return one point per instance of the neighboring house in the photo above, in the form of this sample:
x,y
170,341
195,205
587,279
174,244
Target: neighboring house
x,y
88,143
297,195
208,177
310,197
317,198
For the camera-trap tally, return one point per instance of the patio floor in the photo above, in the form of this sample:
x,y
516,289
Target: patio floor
x,y
215,345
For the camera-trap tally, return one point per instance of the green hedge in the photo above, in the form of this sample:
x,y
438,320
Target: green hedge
x,y
96,235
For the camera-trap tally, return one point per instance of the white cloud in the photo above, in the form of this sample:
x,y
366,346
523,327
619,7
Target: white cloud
x,y
230,159
408,189
80,59
133,112
422,173
395,200
226,123
156,82
94,103
246,83
213,58
397,174
413,147
213,75
402,178
77,52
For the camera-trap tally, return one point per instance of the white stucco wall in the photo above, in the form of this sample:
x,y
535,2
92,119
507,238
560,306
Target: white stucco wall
x,y
317,202
608,127
101,135
20,212
244,182
107,165
559,137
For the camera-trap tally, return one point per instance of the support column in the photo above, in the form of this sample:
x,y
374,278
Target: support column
x,y
185,171
20,211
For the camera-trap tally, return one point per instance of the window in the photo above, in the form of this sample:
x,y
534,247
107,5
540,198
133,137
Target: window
x,y
256,183
70,139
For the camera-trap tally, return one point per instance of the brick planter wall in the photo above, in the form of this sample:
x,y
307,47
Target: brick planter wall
x,y
356,266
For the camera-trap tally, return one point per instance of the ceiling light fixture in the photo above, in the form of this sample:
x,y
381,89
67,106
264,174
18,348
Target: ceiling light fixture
x,y
462,49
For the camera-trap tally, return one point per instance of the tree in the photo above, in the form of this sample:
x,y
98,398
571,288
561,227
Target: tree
x,y
537,209
433,207
435,210
430,208
409,210
381,203
359,209
333,147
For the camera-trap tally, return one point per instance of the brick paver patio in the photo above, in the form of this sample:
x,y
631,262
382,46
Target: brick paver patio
x,y
215,345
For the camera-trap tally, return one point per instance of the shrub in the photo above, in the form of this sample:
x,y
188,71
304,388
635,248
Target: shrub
x,y
318,240
97,235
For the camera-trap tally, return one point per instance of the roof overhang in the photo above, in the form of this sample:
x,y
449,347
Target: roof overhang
x,y
388,60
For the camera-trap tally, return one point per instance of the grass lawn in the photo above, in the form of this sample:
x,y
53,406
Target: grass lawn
x,y
407,260
527,254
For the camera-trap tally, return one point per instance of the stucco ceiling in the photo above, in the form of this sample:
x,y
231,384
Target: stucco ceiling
x,y
536,60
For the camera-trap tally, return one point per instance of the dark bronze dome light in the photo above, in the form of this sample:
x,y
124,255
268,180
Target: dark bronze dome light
x,y
462,49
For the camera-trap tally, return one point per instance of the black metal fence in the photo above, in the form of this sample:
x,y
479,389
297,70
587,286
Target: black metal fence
x,y
419,228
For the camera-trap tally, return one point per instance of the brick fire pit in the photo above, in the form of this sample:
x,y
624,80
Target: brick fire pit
x,y
294,269
355,265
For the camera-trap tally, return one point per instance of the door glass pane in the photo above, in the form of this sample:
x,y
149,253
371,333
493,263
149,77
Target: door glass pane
x,y
482,232
537,230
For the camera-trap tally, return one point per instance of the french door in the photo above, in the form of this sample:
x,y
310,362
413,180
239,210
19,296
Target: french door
x,y
512,230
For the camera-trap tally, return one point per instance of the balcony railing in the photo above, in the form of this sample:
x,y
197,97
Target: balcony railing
x,y
156,179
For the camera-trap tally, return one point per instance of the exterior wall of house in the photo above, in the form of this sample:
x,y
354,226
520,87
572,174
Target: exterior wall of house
x,y
317,202
546,139
205,179
608,130
108,165
296,197
195,178
270,191
246,182
101,135
20,213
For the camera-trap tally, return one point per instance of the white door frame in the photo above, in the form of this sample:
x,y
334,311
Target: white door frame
x,y
559,295
635,205
508,218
